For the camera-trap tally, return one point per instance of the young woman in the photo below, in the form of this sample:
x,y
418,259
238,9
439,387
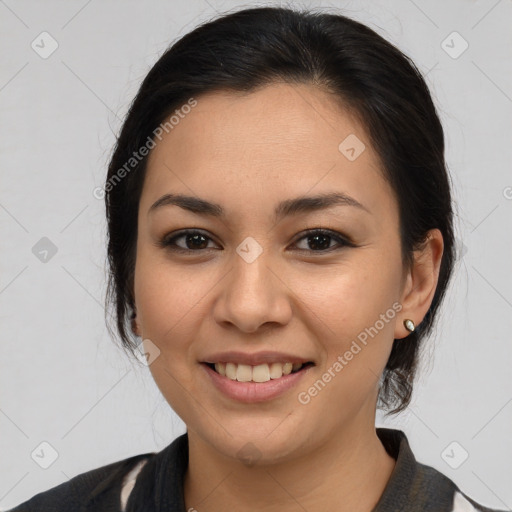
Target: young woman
x,y
280,241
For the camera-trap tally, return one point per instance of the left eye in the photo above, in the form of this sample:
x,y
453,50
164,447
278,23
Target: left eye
x,y
318,239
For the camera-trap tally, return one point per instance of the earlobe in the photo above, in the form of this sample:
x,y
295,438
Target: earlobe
x,y
421,283
135,325
135,328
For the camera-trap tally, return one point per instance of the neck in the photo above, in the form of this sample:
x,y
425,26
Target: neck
x,y
347,473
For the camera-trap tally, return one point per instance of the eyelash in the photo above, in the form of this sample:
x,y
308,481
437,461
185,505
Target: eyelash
x,y
169,242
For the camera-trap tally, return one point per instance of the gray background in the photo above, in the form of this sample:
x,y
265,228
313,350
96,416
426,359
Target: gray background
x,y
64,381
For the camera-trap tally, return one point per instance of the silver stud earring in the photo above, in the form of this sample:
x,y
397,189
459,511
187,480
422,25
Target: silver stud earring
x,y
409,325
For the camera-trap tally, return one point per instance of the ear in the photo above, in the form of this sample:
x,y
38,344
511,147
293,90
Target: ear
x,y
135,325
421,282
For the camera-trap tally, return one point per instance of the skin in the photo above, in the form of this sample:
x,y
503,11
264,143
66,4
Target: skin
x,y
248,152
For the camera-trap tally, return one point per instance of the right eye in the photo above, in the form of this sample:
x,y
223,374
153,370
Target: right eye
x,y
194,241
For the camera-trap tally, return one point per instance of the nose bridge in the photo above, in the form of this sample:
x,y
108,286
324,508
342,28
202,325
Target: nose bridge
x,y
253,294
251,268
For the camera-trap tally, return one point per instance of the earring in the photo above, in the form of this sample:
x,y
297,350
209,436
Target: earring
x,y
409,325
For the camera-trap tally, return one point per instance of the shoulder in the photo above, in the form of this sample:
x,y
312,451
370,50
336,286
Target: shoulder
x,y
460,502
417,486
101,486
463,503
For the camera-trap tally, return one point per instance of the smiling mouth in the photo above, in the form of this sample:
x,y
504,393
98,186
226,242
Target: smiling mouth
x,y
259,373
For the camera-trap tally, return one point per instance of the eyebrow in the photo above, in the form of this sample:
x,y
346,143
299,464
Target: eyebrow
x,y
286,208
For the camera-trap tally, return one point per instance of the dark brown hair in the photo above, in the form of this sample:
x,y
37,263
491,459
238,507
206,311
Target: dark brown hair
x,y
250,48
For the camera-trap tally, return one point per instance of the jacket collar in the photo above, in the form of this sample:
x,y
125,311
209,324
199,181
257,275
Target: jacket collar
x,y
412,487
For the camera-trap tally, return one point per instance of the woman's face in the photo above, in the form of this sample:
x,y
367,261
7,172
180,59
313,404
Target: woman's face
x,y
253,287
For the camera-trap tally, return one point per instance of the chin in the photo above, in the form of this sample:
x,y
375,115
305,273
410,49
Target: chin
x,y
255,446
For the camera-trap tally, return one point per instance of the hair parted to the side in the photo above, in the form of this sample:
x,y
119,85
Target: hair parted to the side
x,y
254,47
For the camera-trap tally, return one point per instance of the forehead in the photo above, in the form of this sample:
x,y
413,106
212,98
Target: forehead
x,y
248,149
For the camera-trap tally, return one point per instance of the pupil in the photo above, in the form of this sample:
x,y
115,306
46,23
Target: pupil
x,y
195,239
315,243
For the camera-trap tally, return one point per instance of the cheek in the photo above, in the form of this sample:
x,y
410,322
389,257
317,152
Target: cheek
x,y
347,298
168,304
353,313
164,299
173,301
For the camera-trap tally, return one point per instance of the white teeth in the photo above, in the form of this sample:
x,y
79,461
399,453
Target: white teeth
x,y
260,373
276,370
220,368
231,371
243,373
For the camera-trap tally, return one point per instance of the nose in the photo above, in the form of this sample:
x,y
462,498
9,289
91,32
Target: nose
x,y
253,294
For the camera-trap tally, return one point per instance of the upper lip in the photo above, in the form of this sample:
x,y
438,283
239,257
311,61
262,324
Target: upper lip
x,y
254,359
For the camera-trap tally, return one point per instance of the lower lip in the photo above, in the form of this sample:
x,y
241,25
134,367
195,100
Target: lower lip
x,y
252,392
